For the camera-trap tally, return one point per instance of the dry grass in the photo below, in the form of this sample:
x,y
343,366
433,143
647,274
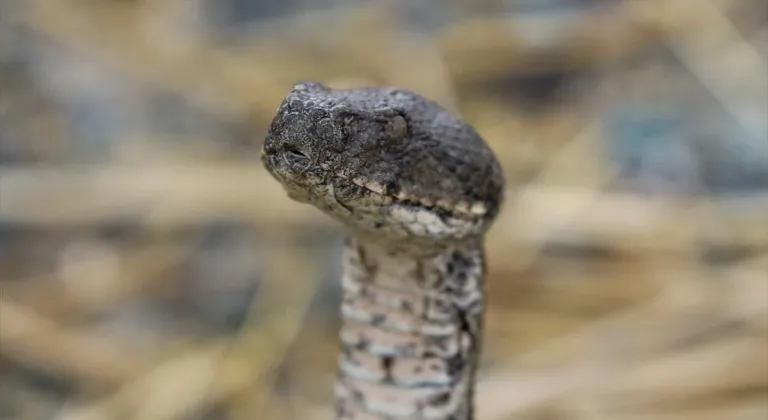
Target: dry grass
x,y
159,273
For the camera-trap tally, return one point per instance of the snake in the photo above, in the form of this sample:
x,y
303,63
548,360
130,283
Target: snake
x,y
416,188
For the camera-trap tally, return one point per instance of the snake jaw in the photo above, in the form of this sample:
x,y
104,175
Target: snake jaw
x,y
461,209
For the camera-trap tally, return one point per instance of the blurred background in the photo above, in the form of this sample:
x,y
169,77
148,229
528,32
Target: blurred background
x,y
150,269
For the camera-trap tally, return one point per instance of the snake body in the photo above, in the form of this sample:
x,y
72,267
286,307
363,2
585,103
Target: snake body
x,y
418,189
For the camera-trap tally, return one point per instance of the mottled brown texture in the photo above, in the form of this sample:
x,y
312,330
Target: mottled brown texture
x,y
411,333
418,188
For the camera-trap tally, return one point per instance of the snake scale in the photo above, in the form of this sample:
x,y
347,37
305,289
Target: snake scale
x,y
417,188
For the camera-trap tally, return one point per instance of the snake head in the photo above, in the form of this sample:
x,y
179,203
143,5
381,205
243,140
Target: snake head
x,y
387,162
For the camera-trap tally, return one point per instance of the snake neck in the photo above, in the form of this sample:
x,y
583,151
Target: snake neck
x,y
411,333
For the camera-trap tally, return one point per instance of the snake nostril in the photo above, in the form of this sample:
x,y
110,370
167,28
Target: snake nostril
x,y
295,158
297,154
294,151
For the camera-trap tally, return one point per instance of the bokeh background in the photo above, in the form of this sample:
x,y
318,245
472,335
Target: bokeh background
x,y
150,269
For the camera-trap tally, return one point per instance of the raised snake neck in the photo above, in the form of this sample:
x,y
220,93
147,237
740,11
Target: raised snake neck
x,y
411,333
418,188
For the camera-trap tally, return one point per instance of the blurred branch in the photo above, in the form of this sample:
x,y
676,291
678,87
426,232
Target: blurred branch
x,y
183,385
80,295
266,344
741,297
40,344
575,156
116,34
730,66
483,48
750,409
252,80
163,196
188,195
641,347
719,367
243,368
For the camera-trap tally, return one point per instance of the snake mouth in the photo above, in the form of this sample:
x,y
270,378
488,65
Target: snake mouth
x,y
383,194
461,208
397,218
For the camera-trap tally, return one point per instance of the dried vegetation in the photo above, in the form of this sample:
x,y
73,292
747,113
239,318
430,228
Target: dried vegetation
x,y
150,269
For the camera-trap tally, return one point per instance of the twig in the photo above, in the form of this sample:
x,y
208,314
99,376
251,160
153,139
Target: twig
x,y
36,342
189,195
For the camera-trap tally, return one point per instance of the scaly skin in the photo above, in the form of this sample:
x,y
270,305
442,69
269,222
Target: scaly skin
x,y
418,189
